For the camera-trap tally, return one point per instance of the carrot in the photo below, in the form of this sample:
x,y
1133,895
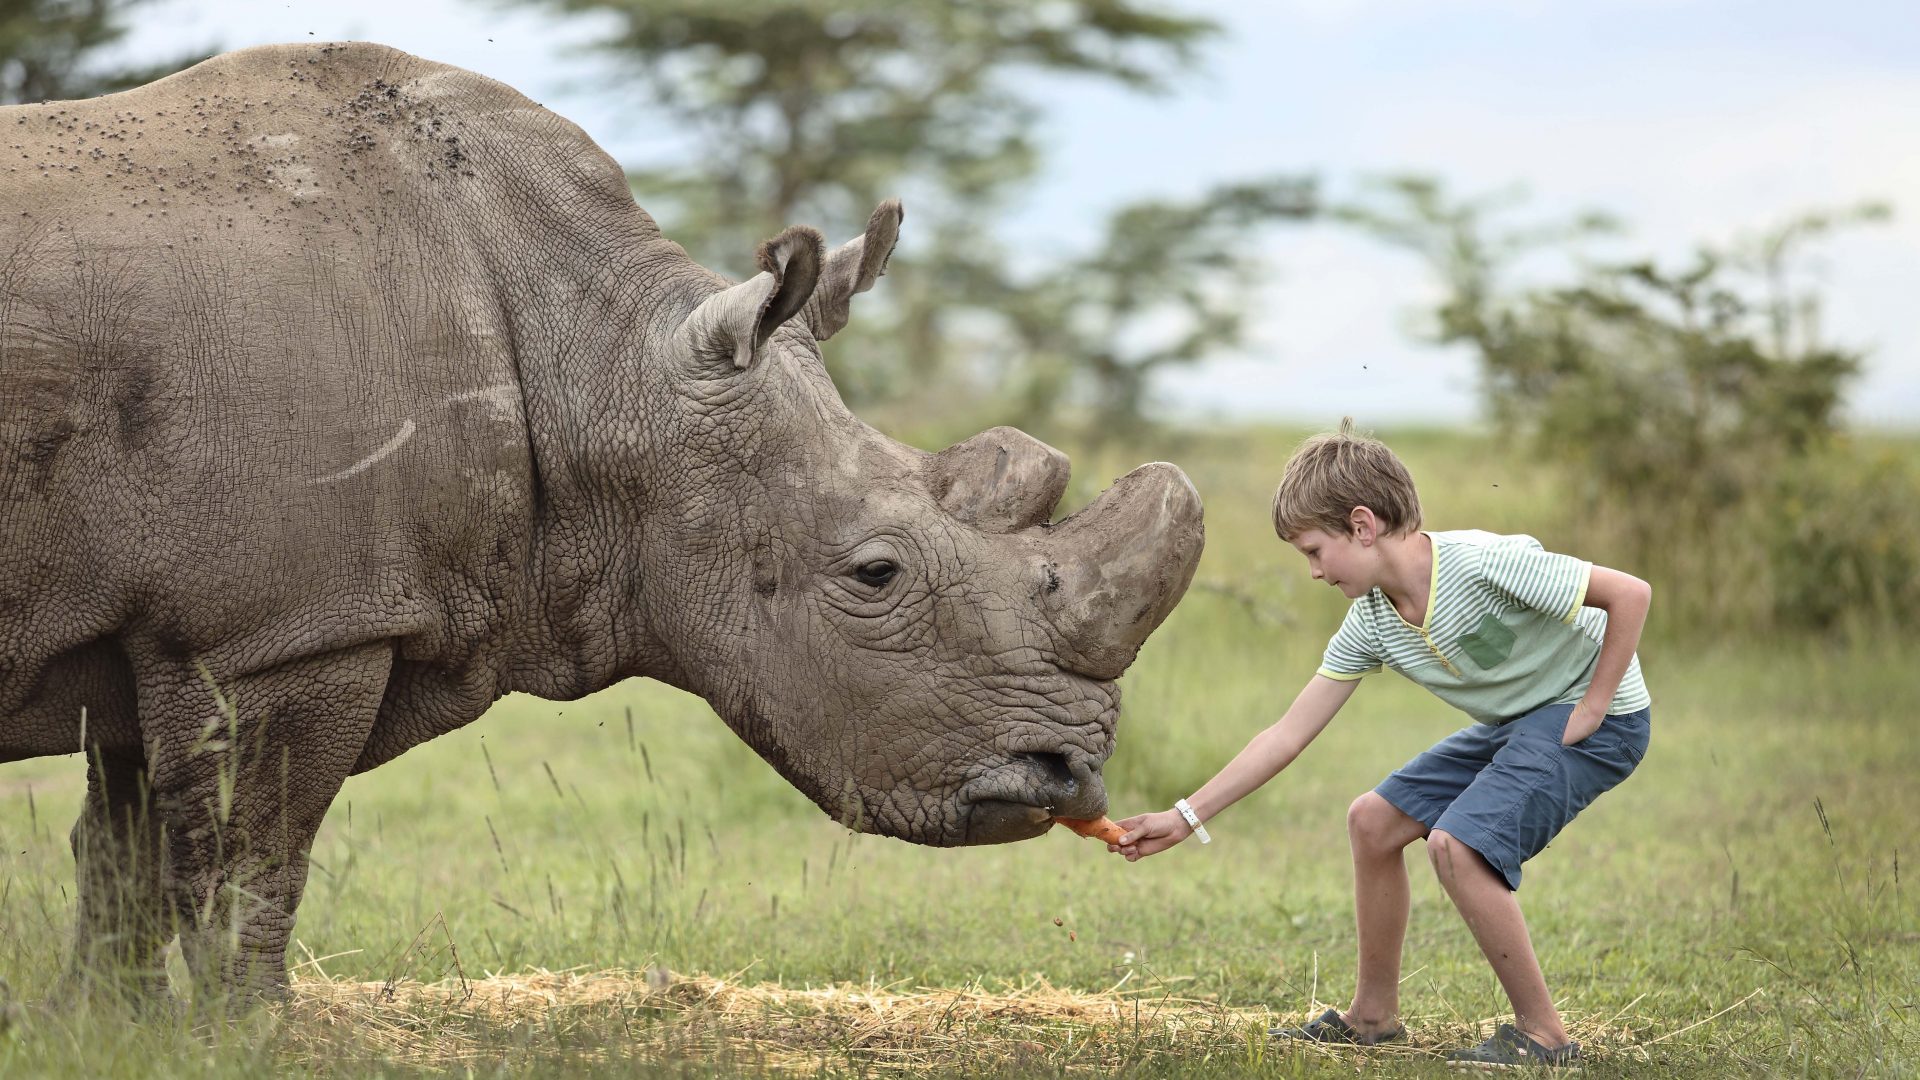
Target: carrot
x,y
1100,828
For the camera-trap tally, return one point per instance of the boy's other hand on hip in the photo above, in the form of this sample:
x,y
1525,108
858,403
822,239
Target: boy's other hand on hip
x,y
1581,723
1150,834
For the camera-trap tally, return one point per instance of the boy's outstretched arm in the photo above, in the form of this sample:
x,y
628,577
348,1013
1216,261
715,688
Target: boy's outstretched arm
x,y
1263,758
1625,599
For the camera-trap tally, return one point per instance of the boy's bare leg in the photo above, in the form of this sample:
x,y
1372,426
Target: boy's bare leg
x,y
1493,914
1379,834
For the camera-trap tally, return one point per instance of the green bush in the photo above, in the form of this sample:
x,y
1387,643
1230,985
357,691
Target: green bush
x,y
1842,540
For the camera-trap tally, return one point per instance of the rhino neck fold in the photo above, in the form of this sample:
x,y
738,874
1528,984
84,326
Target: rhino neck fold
x,y
583,333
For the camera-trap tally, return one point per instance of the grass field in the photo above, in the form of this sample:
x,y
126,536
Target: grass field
x,y
617,886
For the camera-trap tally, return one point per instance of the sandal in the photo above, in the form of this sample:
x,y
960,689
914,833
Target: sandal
x,y
1510,1048
1331,1027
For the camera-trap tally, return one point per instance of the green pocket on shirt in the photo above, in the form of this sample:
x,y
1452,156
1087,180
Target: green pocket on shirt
x,y
1490,643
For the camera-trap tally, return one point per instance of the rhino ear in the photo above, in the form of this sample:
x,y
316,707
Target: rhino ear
x,y
853,268
743,317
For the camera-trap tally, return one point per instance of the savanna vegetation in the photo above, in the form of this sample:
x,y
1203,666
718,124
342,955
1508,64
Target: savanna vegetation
x,y
1743,905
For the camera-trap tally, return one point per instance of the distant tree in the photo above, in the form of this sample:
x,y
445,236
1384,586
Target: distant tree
x,y
816,109
49,50
1168,284
1684,400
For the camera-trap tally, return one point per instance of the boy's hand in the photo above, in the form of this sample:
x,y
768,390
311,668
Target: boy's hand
x,y
1583,722
1150,834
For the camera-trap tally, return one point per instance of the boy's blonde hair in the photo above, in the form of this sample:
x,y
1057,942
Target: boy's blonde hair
x,y
1333,473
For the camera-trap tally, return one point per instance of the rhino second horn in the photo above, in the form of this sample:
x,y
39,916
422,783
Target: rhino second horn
x,y
1002,479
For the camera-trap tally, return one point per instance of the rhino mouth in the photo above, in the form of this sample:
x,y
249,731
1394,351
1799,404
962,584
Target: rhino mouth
x,y
1020,799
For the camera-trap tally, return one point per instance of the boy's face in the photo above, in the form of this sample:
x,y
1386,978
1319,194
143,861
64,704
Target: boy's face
x,y
1339,559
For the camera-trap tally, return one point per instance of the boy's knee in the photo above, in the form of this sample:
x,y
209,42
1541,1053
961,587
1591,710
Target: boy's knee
x,y
1374,824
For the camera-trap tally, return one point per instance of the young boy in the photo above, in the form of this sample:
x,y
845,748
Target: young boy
x,y
1537,648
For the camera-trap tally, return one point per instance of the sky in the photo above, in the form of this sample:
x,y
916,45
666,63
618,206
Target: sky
x,y
1692,120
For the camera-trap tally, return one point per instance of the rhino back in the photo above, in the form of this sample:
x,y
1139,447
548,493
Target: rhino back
x,y
259,391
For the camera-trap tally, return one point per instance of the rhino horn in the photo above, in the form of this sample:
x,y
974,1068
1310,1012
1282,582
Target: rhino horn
x,y
853,268
743,317
1119,566
1002,479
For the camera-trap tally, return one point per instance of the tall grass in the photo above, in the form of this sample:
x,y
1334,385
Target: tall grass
x,y
1743,905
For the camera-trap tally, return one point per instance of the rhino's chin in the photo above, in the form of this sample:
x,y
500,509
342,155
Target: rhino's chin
x,y
997,821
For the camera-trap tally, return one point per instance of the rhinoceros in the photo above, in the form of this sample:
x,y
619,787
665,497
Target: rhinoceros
x,y
343,392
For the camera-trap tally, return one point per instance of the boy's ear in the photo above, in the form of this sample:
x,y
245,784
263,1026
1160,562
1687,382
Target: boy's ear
x,y
1362,525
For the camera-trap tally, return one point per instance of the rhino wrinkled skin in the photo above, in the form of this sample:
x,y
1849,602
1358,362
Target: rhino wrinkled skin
x,y
343,392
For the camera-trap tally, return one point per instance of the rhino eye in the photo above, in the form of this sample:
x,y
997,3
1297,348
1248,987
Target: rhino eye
x,y
876,573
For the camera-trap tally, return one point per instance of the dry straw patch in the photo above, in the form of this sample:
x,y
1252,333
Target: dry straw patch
x,y
657,1016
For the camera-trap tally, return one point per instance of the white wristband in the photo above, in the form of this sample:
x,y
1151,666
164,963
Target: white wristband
x,y
1193,820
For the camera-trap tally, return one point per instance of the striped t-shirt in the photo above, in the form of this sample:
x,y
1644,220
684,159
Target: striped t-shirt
x,y
1505,631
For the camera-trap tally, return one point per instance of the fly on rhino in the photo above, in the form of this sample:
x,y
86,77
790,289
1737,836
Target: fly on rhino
x,y
523,444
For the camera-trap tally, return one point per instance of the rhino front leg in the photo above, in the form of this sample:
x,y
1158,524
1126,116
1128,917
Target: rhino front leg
x,y
123,919
243,771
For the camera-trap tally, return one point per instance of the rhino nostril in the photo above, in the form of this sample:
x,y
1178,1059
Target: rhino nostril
x,y
1057,769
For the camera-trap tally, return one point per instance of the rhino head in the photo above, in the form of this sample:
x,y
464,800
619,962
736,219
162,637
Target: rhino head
x,y
906,637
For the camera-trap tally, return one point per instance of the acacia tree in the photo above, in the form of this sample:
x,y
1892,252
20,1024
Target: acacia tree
x,y
814,110
1168,284
46,47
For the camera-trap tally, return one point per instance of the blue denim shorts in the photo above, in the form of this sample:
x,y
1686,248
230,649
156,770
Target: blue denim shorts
x,y
1505,790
